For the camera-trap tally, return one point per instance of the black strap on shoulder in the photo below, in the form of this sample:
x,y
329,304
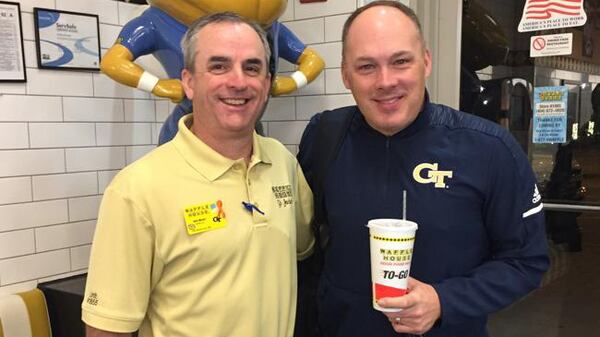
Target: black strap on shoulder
x,y
330,133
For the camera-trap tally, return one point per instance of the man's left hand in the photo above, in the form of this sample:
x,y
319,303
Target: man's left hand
x,y
420,308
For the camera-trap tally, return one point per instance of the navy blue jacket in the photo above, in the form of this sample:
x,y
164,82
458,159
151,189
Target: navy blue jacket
x,y
481,240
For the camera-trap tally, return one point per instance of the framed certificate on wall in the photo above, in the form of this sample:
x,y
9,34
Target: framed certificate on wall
x,y
66,40
12,59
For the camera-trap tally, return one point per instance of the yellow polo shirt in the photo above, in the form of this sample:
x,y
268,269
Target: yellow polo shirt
x,y
176,253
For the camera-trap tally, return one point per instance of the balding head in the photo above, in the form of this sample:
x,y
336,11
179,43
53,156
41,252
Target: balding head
x,y
407,11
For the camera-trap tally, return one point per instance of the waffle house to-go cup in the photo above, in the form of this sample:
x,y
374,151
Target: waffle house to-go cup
x,y
392,242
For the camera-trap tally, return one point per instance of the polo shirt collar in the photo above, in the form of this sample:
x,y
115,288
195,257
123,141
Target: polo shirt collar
x,y
206,160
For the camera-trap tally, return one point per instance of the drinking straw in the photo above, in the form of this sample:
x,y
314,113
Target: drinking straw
x,y
404,205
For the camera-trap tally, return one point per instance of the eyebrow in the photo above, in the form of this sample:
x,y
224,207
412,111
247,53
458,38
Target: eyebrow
x,y
371,59
219,59
256,61
402,53
251,61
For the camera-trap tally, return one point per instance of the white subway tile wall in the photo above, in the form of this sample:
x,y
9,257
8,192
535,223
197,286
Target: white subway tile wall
x,y
28,108
108,35
64,236
30,54
33,214
35,266
17,243
309,31
333,27
61,135
27,5
71,83
334,85
84,208
107,11
331,53
14,136
69,185
95,158
29,162
128,11
87,109
280,109
138,110
14,190
64,135
80,257
133,153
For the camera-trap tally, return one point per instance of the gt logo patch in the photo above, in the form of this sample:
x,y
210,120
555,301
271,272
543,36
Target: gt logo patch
x,y
427,173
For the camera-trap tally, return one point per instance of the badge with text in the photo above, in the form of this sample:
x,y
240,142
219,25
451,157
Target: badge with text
x,y
204,217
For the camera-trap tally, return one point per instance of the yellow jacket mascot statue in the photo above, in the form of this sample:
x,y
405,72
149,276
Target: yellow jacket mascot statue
x,y
159,29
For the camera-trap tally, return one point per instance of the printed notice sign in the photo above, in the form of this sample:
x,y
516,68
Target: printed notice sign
x,y
551,45
552,14
550,114
12,62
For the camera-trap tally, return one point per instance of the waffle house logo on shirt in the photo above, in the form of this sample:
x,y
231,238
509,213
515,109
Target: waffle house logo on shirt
x,y
283,195
427,173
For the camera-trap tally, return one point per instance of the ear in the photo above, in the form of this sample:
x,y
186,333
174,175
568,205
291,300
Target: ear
x,y
187,81
268,84
427,61
345,75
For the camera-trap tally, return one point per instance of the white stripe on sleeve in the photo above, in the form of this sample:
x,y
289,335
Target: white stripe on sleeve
x,y
533,210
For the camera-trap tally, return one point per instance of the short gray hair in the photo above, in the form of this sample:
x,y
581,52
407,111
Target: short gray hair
x,y
188,43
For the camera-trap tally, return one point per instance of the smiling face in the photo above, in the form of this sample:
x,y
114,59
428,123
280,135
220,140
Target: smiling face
x,y
385,66
230,84
264,12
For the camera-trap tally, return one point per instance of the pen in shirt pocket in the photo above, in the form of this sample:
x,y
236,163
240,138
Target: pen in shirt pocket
x,y
250,207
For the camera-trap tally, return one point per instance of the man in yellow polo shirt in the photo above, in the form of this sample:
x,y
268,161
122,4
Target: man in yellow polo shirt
x,y
200,237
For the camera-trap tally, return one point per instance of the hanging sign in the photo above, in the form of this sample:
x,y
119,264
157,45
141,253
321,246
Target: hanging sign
x,y
552,14
551,45
550,114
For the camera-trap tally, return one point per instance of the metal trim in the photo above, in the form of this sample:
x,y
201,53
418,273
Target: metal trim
x,y
570,208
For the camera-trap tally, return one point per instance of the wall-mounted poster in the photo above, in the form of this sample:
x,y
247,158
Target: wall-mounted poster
x,y
552,14
550,114
67,40
12,59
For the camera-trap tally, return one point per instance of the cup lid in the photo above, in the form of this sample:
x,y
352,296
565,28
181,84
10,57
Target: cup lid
x,y
393,224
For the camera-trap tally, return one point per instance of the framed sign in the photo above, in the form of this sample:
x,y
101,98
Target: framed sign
x,y
66,40
550,114
12,59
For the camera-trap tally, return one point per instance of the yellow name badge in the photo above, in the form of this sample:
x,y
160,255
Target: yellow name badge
x,y
204,217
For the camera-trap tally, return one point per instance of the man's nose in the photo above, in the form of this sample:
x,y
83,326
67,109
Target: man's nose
x,y
385,78
237,79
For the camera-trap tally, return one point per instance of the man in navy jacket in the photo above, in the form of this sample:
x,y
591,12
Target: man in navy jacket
x,y
481,241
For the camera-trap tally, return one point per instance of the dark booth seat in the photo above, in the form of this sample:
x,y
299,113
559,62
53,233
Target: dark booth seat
x,y
64,299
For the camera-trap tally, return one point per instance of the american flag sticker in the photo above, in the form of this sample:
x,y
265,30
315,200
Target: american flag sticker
x,y
552,14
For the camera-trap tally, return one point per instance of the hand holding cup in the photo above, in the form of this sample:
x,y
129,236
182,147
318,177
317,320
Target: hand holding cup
x,y
420,308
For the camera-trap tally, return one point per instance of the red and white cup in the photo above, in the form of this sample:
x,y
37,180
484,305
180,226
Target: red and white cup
x,y
392,242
